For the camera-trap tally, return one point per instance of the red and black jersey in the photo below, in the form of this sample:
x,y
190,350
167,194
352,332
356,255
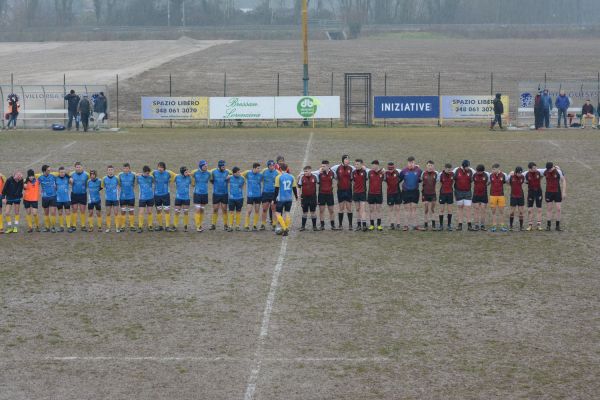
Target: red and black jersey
x,y
392,178
359,177
376,181
480,184
462,179
344,176
308,185
326,182
497,181
429,179
447,181
534,180
553,177
516,186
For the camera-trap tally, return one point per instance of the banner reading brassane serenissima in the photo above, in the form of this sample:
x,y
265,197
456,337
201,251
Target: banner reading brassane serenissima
x,y
184,108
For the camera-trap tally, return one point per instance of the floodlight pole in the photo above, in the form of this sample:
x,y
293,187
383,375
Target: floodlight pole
x,y
305,48
168,12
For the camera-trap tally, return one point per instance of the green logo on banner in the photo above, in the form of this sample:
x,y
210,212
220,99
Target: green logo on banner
x,y
307,107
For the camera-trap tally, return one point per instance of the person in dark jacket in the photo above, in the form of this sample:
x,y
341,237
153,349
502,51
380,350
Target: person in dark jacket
x,y
72,100
538,111
498,111
84,108
13,192
587,112
546,107
100,110
562,104
13,110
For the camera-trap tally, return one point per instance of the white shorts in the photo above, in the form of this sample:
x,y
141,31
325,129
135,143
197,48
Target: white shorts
x,y
466,203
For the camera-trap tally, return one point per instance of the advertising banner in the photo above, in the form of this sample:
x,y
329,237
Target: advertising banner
x,y
307,107
182,108
470,107
421,107
242,107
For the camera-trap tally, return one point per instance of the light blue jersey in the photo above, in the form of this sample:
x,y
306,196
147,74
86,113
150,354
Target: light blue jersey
x,y
254,180
162,181
62,189
111,188
146,185
201,179
285,182
182,187
48,185
236,187
80,180
219,181
94,186
127,183
269,180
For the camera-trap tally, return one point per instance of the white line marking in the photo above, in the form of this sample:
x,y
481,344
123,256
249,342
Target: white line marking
x,y
264,327
201,359
582,163
39,160
553,143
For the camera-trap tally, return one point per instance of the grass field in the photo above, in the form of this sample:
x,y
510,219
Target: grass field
x,y
322,315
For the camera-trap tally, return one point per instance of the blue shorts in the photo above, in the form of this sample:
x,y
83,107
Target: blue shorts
x,y
30,204
268,197
146,203
180,202
236,205
48,202
127,202
97,206
12,202
201,199
63,205
283,206
111,203
344,195
254,200
220,199
79,198
162,200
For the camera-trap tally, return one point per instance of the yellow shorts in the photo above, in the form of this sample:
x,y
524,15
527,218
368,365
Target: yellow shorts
x,y
497,201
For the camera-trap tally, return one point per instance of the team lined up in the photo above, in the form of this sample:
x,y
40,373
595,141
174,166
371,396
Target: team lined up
x,y
270,191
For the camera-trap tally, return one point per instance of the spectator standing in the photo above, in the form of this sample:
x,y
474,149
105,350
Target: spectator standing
x,y
538,111
546,107
84,108
498,111
587,112
562,104
100,108
13,110
72,100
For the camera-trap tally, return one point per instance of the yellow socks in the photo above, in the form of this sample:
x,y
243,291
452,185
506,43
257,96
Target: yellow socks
x,y
167,220
150,219
281,222
214,218
198,219
225,218
29,221
140,220
230,219
255,219
238,218
108,221
53,220
288,221
247,221
176,219
186,219
36,220
47,221
83,218
1,222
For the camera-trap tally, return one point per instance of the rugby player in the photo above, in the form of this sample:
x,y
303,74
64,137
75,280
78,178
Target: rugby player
x,y
463,179
497,200
268,195
254,180
78,180
162,196
429,180
308,197
285,185
127,196
63,200
410,176
145,183
446,179
376,177
343,175
236,199
359,188
481,181
12,191
94,186
394,195
2,181
556,192
219,177
533,179
325,198
48,186
31,195
517,197
110,185
183,181
200,179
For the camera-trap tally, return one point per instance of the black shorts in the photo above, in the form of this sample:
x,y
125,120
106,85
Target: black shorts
x,y
162,200
30,204
446,198
254,200
95,206
146,203
326,199
13,202
48,202
78,198
553,197
410,196
534,196
236,205
127,203
428,198
220,199
375,198
344,195
66,205
394,199
282,206
268,197
309,203
180,202
480,199
358,197
517,201
111,203
201,199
